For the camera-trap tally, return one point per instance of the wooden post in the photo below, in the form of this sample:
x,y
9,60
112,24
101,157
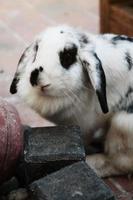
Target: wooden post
x,y
104,15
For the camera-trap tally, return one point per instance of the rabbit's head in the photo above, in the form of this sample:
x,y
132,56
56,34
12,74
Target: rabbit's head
x,y
59,62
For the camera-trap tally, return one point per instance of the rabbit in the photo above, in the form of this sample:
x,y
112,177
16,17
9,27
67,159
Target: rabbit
x,y
72,77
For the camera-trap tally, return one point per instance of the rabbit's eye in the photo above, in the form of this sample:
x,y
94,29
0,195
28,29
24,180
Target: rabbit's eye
x,y
68,56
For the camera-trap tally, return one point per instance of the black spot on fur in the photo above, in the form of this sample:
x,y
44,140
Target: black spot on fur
x,y
61,31
121,38
34,77
24,53
83,40
68,56
129,60
130,108
23,56
36,50
129,91
101,90
125,103
101,93
13,87
40,68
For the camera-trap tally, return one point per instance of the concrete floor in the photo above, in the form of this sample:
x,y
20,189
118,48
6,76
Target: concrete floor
x,y
20,21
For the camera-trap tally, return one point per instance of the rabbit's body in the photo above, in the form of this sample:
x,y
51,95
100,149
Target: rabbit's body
x,y
66,75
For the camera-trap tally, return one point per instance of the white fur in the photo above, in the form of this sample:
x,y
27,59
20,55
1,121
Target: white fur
x,y
69,100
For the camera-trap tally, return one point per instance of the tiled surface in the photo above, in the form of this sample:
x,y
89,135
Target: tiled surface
x,y
19,22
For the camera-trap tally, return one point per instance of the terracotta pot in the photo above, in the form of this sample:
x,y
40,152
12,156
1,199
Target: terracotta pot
x,y
11,139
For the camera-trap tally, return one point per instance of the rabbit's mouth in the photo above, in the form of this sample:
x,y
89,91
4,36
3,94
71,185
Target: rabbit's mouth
x,y
44,87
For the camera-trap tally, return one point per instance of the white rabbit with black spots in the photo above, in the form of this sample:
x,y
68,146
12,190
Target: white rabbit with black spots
x,y
70,76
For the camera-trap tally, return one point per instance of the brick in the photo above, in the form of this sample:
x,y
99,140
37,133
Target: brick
x,y
76,181
48,149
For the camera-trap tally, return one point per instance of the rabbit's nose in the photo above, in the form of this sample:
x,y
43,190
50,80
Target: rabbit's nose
x,y
34,76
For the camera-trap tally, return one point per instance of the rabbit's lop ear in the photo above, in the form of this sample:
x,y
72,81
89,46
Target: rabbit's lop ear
x,y
28,56
13,87
93,66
